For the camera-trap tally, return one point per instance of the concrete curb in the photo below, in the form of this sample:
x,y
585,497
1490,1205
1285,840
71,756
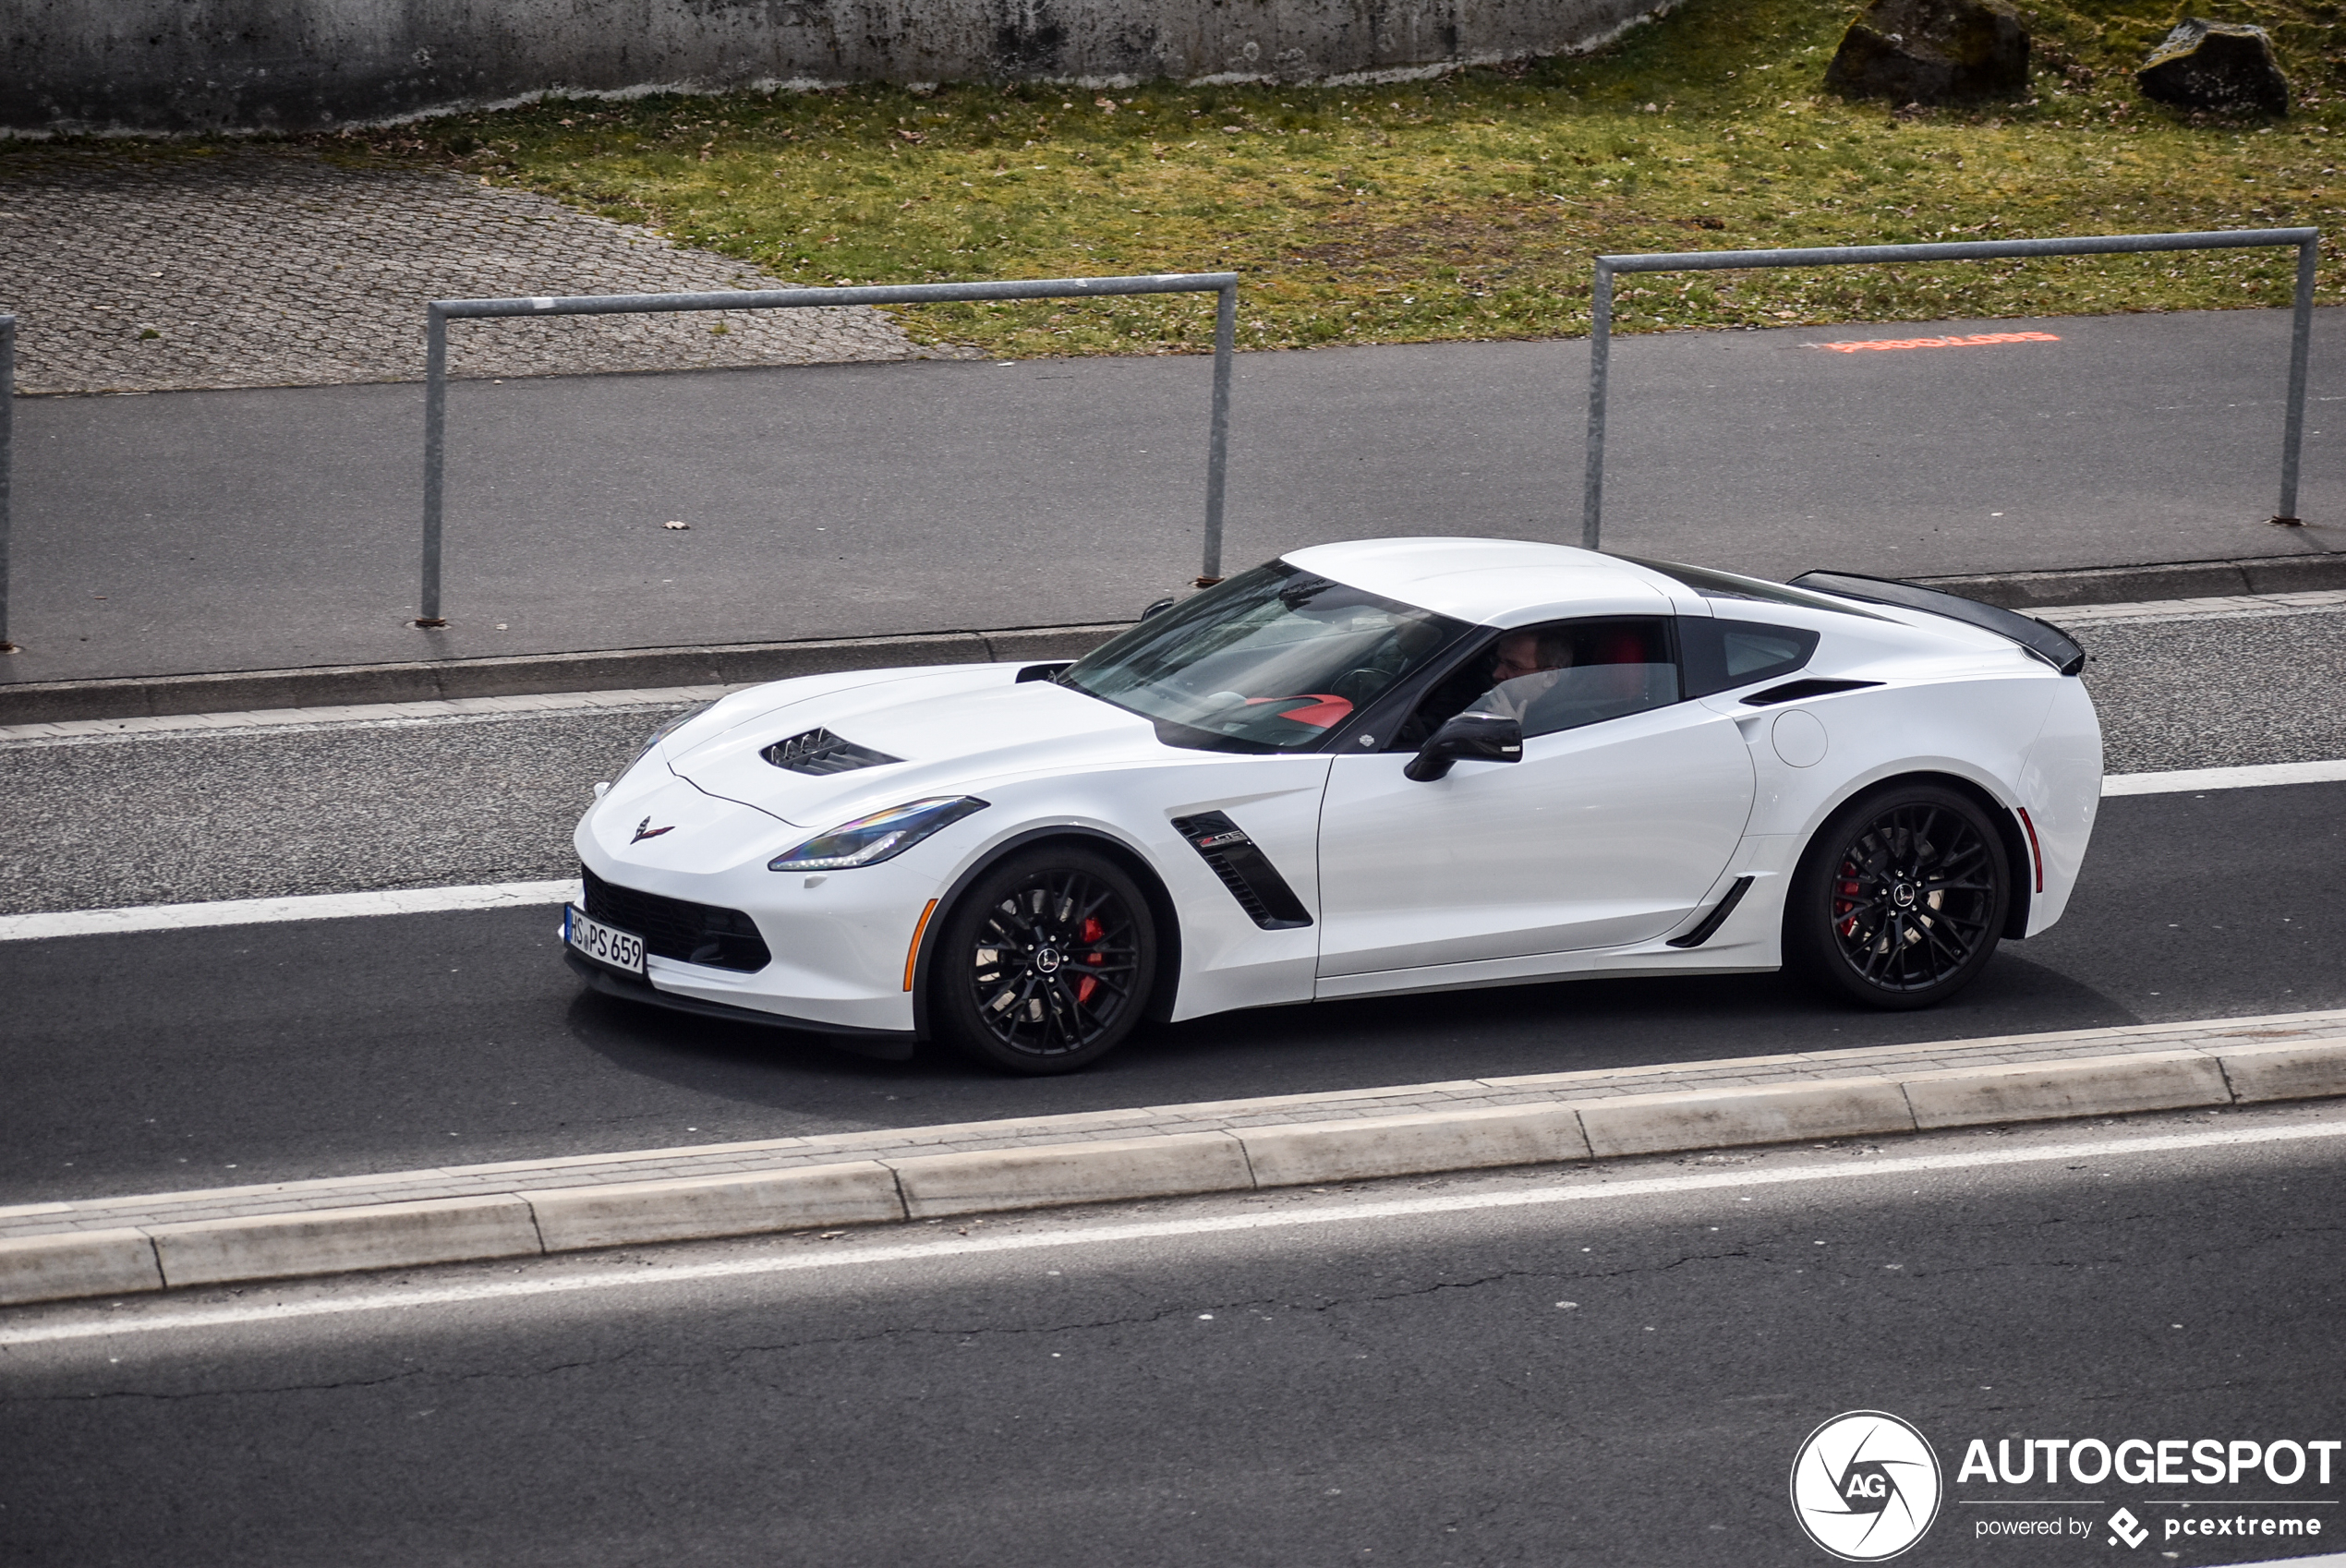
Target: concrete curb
x,y
2152,580
333,1241
579,1218
50,702
527,1222
740,663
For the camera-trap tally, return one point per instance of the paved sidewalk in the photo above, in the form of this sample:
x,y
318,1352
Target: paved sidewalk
x,y
144,270
1161,1121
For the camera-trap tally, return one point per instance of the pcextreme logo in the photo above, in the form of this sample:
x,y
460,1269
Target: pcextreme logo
x,y
1865,1486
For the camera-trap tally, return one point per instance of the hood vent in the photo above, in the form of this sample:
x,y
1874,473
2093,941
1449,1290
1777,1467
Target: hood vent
x,y
819,751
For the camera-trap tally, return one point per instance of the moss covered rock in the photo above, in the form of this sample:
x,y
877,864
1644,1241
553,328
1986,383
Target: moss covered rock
x,y
2227,67
1932,52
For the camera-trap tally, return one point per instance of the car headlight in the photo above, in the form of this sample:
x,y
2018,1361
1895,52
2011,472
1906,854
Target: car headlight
x,y
884,835
669,728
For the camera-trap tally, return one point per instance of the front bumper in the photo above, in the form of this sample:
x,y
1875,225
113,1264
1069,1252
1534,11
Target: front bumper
x,y
888,1044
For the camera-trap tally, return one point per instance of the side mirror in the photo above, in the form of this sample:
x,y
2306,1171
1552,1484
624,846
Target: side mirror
x,y
1485,737
1158,608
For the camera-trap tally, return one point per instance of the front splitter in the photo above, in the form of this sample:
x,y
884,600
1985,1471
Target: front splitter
x,y
887,1045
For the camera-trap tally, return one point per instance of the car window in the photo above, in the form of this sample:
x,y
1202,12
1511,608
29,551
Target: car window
x,y
1722,655
1558,676
1271,660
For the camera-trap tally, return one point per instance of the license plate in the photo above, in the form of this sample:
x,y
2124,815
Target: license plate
x,y
604,944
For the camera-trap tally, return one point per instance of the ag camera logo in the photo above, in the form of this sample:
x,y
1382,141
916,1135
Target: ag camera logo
x,y
1865,1486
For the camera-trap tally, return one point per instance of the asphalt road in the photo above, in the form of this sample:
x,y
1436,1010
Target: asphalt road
x,y
268,812
1612,1367
227,530
226,1056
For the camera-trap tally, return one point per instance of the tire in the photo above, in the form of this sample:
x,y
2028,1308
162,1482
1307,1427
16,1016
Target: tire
x,y
1900,899
1045,963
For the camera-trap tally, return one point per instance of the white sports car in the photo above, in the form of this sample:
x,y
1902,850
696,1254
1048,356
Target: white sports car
x,y
1394,765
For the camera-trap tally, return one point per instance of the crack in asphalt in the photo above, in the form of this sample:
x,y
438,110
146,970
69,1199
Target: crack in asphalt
x,y
1253,1304
333,1385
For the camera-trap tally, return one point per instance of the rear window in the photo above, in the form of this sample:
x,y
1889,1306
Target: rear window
x,y
1729,586
1722,655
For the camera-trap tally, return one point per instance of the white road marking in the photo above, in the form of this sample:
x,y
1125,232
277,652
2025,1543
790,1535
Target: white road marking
x,y
378,716
232,1314
2253,776
359,715
258,911
428,900
2229,607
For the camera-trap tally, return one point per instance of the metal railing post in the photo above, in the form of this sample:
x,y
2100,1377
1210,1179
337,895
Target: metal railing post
x,y
1217,440
1600,359
435,451
8,460
2306,240
2301,348
442,311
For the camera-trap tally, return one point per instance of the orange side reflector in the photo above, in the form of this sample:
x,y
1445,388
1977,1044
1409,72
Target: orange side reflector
x,y
913,954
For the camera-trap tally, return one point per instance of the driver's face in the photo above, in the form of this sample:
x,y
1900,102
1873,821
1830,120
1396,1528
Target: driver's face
x,y
1518,657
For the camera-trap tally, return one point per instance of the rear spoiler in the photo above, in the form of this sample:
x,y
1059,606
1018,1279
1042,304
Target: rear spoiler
x,y
2048,643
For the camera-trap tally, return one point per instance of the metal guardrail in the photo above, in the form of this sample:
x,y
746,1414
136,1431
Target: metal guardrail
x,y
441,311
7,461
2306,240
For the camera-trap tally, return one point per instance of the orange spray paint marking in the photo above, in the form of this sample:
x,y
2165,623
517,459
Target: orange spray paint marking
x,y
1976,340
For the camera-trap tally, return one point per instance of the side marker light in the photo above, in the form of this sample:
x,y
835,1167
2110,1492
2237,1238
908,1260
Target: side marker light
x,y
913,954
2035,853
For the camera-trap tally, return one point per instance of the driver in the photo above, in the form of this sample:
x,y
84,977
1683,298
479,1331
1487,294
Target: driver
x,y
1524,666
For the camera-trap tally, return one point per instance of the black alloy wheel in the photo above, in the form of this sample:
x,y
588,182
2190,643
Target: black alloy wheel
x,y
1046,964
1901,897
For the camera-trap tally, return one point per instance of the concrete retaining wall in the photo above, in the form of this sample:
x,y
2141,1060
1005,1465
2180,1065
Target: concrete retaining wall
x,y
310,65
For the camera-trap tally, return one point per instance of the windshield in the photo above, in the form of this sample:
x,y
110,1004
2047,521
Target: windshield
x,y
1272,660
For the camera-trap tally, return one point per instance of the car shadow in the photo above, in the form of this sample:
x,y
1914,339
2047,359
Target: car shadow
x,y
1500,1032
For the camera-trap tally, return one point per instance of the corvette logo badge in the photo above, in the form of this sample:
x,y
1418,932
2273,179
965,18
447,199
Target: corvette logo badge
x,y
645,829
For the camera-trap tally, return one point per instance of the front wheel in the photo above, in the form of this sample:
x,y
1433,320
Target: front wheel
x,y
1047,962
1901,897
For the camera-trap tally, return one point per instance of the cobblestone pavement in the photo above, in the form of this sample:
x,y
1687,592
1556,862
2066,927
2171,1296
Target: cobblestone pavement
x,y
1886,1062
264,266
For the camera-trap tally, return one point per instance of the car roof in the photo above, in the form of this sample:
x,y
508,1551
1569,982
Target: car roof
x,y
1493,582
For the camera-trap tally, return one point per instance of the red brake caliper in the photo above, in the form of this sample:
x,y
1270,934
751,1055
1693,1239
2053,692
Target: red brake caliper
x,y
1092,931
1848,887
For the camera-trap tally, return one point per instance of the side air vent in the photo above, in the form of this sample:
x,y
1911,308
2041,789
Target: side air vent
x,y
1709,924
1252,880
819,751
1800,691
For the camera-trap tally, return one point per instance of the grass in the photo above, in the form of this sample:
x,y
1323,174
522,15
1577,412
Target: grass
x,y
1467,207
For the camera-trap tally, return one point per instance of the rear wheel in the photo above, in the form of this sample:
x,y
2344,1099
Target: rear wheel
x,y
1047,962
1901,897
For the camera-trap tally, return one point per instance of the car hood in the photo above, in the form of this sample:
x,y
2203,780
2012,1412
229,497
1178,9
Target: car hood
x,y
952,734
